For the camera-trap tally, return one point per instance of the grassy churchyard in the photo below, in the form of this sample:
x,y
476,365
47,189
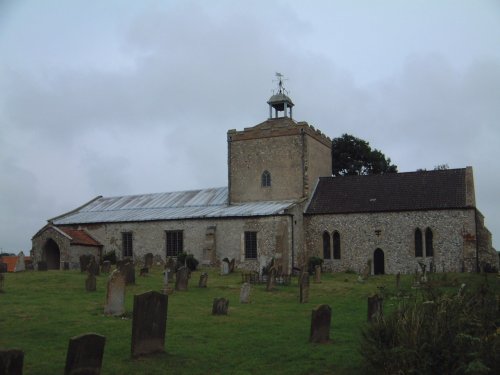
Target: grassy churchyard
x,y
40,311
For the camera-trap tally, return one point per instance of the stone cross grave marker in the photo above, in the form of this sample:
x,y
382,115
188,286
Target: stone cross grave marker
x,y
106,266
203,280
90,282
148,260
375,307
149,323
181,278
320,324
115,294
85,354
304,287
41,266
84,261
220,306
245,293
11,361
317,274
271,280
20,265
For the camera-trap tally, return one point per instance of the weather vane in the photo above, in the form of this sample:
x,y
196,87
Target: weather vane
x,y
280,78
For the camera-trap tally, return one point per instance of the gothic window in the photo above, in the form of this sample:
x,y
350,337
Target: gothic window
x,y
127,250
266,179
336,245
250,245
174,242
429,247
418,243
326,246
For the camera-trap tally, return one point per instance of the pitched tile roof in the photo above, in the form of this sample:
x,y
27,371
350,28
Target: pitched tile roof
x,y
80,237
423,190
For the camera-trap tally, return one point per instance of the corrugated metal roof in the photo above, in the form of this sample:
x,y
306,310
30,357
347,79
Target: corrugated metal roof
x,y
205,203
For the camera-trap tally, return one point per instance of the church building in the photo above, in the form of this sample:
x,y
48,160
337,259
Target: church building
x,y
281,202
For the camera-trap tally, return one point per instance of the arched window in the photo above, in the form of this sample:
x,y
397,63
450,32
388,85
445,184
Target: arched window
x,y
336,245
418,243
266,179
326,246
429,247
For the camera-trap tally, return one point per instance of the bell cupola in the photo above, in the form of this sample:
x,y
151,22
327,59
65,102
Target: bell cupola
x,y
280,102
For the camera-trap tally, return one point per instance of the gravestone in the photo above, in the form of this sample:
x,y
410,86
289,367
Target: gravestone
x,y
271,280
181,278
398,280
170,268
42,266
84,261
231,265
375,307
2,280
106,266
148,260
224,268
368,269
90,283
115,294
220,306
203,280
127,267
11,362
320,324
85,354
245,293
317,274
304,288
93,267
144,271
20,265
3,267
149,323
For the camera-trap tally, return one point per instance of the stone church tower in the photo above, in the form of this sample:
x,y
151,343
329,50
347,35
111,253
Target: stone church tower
x,y
279,159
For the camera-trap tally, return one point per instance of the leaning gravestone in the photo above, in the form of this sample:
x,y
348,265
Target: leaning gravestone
x,y
90,283
3,267
220,306
84,261
11,362
304,288
42,266
115,294
148,260
181,278
2,278
106,266
245,293
85,354
375,307
320,324
20,265
203,280
149,323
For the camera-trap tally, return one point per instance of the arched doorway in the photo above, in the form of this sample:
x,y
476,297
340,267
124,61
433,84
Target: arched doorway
x,y
378,262
52,255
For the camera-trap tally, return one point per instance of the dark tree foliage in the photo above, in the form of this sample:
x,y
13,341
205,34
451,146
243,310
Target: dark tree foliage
x,y
354,156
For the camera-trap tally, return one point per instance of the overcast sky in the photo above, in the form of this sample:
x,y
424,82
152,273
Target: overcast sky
x,y
129,97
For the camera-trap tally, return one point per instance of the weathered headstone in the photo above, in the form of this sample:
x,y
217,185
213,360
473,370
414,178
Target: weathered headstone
x,y
106,266
320,324
368,269
317,274
93,267
3,267
181,278
2,280
20,265
203,280
42,266
90,283
375,307
220,306
167,289
149,323
231,265
115,294
224,268
85,354
398,280
170,268
11,362
271,280
144,271
245,293
148,260
304,288
84,261
127,267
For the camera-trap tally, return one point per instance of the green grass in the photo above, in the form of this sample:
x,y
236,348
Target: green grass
x,y
40,311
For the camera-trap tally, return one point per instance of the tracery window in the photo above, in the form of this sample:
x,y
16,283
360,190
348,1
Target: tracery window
x,y
266,179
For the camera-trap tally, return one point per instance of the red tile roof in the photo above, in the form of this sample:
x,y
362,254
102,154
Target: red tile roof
x,y
80,237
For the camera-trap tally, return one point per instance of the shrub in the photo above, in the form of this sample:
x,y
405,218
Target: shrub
x,y
436,333
312,263
111,256
187,259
